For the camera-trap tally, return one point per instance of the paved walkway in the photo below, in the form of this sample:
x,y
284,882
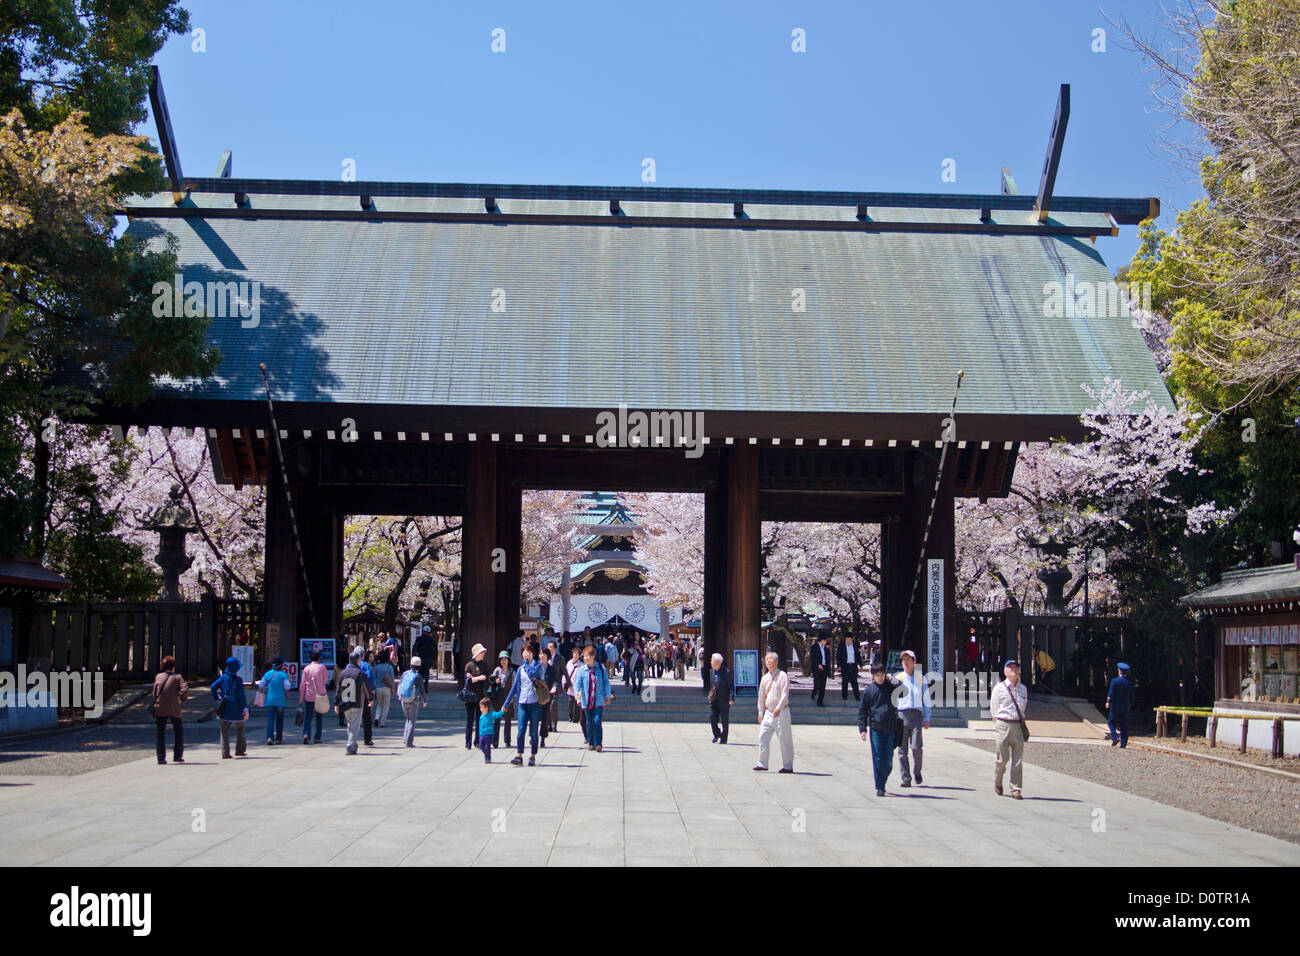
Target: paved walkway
x,y
660,794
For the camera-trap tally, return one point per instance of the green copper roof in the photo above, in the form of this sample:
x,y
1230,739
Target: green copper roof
x,y
1253,584
654,316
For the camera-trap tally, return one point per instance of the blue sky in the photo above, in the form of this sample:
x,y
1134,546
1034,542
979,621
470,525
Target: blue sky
x,y
712,91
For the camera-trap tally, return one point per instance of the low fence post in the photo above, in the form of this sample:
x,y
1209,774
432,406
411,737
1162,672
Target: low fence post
x,y
1214,730
1277,736
1182,732
1245,724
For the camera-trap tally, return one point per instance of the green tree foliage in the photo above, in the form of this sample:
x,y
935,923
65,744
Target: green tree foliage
x,y
76,320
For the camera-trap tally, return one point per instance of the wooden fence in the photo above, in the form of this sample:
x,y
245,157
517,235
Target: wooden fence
x,y
127,640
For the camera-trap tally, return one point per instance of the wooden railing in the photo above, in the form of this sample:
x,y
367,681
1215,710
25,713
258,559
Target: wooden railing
x,y
1212,727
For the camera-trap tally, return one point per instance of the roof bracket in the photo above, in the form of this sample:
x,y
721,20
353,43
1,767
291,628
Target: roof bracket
x,y
367,202
615,208
862,214
490,204
738,210
1054,143
241,200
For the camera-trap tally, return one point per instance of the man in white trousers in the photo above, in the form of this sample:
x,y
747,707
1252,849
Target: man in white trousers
x,y
774,715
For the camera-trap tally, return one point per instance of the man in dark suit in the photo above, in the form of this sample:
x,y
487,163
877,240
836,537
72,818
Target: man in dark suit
x,y
821,669
722,694
424,649
1119,698
847,658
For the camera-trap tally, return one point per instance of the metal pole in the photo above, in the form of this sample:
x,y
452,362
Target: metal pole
x,y
288,497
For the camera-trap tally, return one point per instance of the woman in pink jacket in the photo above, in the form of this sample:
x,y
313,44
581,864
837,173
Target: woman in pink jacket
x,y
312,686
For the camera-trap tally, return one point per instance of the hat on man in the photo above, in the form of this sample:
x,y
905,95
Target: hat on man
x,y
909,654
1122,666
416,662
476,650
1012,663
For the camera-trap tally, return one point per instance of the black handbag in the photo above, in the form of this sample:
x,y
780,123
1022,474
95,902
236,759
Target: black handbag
x,y
465,695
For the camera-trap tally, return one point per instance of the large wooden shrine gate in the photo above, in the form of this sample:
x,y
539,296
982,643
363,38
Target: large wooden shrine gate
x,y
438,348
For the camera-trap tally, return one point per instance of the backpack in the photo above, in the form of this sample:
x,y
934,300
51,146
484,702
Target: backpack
x,y
406,689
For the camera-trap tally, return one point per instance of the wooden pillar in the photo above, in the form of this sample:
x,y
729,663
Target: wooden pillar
x,y
713,632
743,545
280,575
900,552
509,538
478,538
322,551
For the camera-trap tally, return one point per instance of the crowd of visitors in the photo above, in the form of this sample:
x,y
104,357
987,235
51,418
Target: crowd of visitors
x,y
529,680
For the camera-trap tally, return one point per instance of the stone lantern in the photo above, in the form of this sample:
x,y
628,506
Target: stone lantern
x,y
172,522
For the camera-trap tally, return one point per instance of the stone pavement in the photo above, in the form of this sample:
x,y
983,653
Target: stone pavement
x,y
660,794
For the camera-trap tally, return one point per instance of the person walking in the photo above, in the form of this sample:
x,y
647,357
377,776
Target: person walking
x,y
169,692
523,693
914,715
502,677
424,649
821,667
368,711
774,715
476,681
517,649
722,695
846,659
611,659
276,686
351,695
878,721
385,683
571,676
679,662
1119,698
411,697
555,683
552,690
312,693
1008,703
592,684
232,708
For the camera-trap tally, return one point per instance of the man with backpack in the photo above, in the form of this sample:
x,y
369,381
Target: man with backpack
x,y
351,697
410,694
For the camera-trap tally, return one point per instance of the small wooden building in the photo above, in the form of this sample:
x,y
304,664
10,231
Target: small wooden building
x,y
1256,616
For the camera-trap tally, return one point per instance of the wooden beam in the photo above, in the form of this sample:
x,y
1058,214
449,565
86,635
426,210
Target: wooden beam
x,y
1127,211
166,135
1055,141
367,214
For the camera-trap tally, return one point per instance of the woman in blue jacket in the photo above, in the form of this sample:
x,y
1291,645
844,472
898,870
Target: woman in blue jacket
x,y
592,684
232,708
276,683
529,713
